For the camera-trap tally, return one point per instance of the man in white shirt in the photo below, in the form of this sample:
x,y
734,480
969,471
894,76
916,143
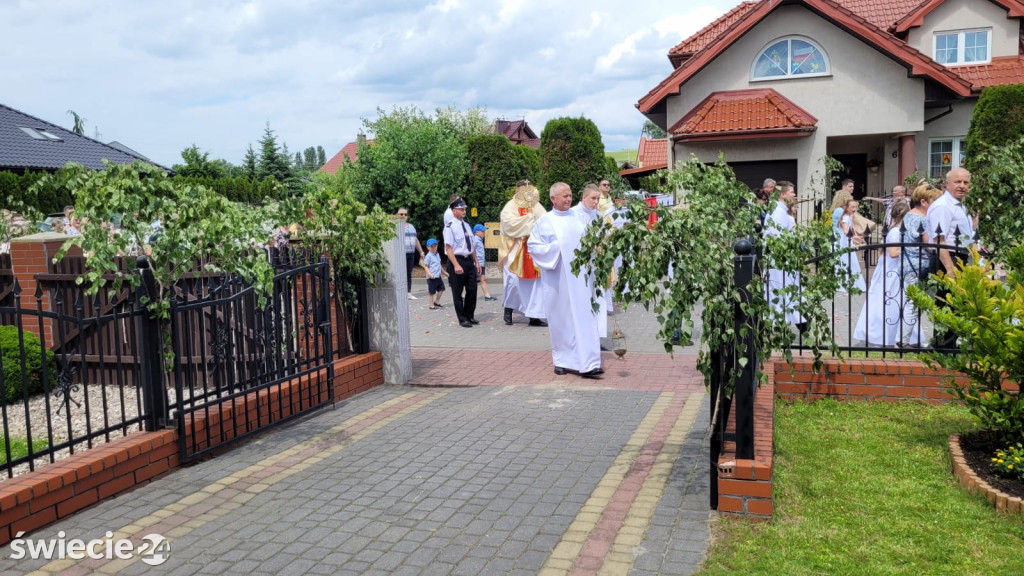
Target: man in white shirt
x,y
463,268
948,221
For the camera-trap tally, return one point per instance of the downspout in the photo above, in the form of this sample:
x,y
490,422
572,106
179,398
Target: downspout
x,y
949,110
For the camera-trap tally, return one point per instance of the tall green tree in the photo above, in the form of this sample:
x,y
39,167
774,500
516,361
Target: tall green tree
x,y
995,156
653,130
249,164
471,123
496,167
309,159
415,162
272,161
79,126
197,165
321,157
299,165
572,152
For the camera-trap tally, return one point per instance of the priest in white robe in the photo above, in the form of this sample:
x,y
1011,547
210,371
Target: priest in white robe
x,y
572,324
522,292
779,220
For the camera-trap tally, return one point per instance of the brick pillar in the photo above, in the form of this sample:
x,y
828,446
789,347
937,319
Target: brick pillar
x,y
31,255
908,157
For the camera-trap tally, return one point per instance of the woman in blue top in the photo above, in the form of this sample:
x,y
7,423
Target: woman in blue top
x,y
916,262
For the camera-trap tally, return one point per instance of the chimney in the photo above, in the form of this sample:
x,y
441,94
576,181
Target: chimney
x,y
360,138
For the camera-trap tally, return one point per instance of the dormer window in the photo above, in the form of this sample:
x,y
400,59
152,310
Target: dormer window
x,y
40,134
790,57
963,47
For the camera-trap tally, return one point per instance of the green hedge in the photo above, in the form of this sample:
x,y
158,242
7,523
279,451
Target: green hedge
x,y
15,190
572,152
10,346
998,120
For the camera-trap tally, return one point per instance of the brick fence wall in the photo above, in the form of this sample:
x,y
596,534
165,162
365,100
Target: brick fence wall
x,y
38,498
745,486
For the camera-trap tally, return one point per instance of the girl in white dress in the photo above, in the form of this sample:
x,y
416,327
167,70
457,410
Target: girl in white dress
x,y
850,260
879,323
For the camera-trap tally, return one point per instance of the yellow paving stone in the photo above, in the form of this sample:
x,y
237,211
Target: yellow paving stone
x,y
566,551
562,565
615,568
178,532
552,571
58,565
576,536
591,517
192,499
114,566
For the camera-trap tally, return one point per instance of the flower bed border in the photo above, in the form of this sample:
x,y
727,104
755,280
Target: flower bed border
x,y
976,485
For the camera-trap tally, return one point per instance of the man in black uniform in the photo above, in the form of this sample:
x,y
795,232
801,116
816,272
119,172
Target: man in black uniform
x,y
463,268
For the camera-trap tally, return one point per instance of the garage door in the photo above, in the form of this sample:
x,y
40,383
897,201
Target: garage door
x,y
753,173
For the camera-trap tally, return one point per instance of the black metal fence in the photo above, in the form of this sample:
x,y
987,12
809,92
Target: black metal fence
x,y
109,368
877,319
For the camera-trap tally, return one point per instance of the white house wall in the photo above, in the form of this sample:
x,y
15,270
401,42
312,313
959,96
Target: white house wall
x,y
952,125
965,15
866,93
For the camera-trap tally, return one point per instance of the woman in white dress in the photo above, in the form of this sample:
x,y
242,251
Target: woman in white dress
x,y
849,260
879,323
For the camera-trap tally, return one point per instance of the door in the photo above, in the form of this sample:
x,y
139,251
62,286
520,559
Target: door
x,y
855,167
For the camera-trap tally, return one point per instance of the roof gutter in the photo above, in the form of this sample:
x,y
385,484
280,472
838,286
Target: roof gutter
x,y
949,110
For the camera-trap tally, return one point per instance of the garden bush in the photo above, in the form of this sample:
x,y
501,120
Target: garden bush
x,y
11,346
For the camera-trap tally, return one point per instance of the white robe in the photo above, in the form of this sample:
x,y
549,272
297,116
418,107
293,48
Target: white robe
x,y
522,295
572,324
778,221
605,302
880,322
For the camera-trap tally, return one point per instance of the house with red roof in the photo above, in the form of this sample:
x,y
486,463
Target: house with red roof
x,y
349,152
887,87
651,156
518,132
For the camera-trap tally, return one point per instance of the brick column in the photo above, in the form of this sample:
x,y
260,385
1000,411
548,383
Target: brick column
x,y
31,255
908,157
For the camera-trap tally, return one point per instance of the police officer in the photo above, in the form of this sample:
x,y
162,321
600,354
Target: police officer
x,y
463,268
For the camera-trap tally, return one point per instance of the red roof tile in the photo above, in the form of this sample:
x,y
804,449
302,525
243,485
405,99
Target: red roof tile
x,y
744,114
916,63
680,52
1002,71
652,152
881,13
351,151
915,17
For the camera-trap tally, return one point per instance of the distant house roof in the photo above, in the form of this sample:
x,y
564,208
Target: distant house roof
x,y
32,143
763,113
350,151
517,131
651,156
126,150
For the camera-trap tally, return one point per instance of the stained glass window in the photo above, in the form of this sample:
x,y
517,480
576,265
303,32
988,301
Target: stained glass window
x,y
790,57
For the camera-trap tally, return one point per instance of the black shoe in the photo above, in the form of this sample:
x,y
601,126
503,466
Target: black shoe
x,y
466,324
597,371
537,322
508,316
593,374
603,349
559,371
474,321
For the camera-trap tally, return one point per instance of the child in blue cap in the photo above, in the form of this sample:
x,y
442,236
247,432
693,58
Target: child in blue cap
x,y
478,242
432,266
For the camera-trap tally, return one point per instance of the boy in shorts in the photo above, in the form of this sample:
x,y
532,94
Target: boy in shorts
x,y
432,266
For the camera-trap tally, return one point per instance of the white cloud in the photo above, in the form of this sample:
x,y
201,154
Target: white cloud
x,y
160,76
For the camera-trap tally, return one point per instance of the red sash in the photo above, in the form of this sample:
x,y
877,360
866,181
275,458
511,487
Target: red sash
x,y
529,269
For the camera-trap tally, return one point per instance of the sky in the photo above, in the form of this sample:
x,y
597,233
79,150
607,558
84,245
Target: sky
x,y
161,76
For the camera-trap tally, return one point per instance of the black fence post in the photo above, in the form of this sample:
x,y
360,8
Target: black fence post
x,y
717,419
745,381
154,396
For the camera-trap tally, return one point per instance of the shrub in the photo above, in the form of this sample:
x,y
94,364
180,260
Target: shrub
x,y
1009,462
572,152
11,345
985,314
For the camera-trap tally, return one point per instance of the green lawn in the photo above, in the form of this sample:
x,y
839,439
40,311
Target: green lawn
x,y
621,156
19,448
866,488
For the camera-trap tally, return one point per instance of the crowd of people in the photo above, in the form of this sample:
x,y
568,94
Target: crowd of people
x,y
535,253
925,232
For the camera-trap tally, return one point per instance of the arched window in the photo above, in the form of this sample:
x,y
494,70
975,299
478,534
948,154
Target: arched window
x,y
789,57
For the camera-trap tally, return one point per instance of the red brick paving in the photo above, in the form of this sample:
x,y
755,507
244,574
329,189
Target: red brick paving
x,y
644,372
